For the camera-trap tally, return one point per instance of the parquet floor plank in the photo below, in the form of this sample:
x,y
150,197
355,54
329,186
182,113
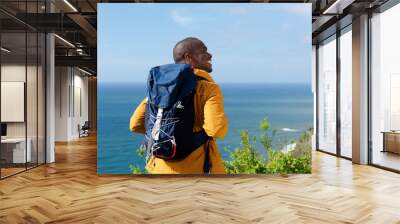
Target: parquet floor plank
x,y
70,191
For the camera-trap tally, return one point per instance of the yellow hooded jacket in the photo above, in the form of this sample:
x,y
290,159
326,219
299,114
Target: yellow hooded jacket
x,y
209,115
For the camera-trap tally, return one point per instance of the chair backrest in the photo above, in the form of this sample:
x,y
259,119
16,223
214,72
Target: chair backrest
x,y
86,125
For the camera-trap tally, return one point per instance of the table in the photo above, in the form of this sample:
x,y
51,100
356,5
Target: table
x,y
391,141
18,150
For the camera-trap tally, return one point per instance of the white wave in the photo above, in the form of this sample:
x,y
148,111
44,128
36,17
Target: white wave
x,y
289,148
289,130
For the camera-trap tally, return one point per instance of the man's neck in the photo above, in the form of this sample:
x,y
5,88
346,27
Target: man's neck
x,y
203,74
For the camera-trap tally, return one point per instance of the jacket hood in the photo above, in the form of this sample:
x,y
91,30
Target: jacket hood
x,y
167,84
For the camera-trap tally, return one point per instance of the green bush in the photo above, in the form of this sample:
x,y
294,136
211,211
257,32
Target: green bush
x,y
247,159
135,169
303,144
286,163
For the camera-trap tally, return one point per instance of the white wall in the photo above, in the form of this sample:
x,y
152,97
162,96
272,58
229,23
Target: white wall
x,y
33,126
62,81
14,73
80,114
71,87
17,73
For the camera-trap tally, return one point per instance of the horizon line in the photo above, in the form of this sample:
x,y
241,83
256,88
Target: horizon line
x,y
219,83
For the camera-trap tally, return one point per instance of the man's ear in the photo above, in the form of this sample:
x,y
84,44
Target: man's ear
x,y
187,58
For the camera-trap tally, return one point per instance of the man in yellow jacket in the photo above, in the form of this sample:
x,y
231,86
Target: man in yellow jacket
x,y
209,114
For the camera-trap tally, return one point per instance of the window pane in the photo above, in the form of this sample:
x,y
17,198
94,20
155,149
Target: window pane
x,y
327,96
386,89
14,152
31,97
346,94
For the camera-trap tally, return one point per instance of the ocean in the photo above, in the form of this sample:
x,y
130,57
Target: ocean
x,y
288,107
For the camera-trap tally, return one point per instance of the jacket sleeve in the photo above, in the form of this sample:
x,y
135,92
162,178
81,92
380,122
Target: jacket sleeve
x,y
215,121
136,123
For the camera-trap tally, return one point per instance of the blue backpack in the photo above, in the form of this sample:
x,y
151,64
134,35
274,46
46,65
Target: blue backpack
x,y
169,116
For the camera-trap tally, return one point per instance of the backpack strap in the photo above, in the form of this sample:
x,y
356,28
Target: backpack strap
x,y
201,138
207,162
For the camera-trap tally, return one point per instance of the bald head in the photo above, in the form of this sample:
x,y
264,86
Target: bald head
x,y
193,51
187,45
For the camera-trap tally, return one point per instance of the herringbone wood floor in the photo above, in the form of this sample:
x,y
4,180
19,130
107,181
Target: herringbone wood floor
x,y
70,191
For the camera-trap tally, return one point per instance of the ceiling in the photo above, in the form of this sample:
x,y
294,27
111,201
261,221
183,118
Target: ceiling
x,y
74,22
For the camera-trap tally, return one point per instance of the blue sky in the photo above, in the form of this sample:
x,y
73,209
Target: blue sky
x,y
250,43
